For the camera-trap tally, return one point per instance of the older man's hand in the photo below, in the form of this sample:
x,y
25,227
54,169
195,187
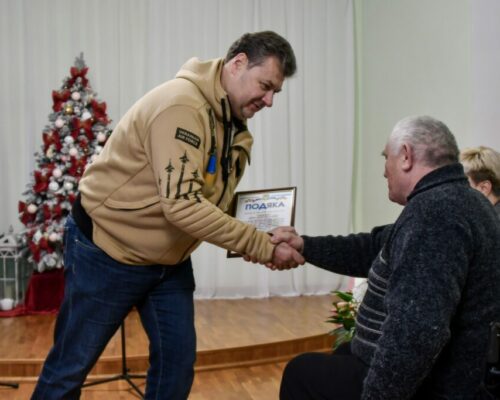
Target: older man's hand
x,y
287,234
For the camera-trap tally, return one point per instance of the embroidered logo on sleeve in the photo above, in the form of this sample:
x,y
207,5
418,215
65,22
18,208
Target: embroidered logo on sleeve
x,y
188,137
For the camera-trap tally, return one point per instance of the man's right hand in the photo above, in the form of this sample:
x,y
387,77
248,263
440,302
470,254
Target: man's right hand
x,y
285,257
288,249
289,246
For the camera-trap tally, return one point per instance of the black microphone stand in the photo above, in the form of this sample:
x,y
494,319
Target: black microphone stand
x,y
125,370
10,384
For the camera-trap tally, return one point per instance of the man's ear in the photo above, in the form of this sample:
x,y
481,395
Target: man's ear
x,y
239,62
406,157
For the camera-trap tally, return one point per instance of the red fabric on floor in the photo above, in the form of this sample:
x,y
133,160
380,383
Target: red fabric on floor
x,y
45,291
15,312
43,296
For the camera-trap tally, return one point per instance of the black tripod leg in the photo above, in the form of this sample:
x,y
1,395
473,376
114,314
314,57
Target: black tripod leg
x,y
124,375
10,384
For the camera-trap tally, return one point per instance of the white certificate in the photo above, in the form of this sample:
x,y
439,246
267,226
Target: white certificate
x,y
266,209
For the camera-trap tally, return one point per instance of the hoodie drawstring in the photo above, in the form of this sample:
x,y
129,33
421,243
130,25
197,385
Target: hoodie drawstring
x,y
226,160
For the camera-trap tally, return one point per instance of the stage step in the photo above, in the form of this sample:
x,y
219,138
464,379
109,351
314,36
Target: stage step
x,y
231,333
29,369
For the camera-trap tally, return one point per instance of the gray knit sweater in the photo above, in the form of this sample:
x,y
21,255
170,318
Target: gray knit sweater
x,y
433,289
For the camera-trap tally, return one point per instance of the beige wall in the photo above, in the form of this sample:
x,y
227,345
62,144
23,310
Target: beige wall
x,y
412,58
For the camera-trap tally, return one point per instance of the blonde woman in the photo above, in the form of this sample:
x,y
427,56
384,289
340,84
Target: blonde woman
x,y
482,167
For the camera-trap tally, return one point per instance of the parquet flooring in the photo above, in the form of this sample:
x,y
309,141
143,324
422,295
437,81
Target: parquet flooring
x,y
219,324
249,383
228,325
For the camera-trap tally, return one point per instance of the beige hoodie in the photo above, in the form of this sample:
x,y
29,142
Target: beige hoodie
x,y
148,193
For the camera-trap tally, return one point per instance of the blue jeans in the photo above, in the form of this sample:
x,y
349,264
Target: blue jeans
x,y
99,293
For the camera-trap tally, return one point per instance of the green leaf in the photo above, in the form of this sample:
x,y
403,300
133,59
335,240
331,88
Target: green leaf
x,y
350,324
346,296
341,336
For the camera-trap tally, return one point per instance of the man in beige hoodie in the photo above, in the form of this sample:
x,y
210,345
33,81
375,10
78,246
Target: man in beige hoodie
x,y
161,186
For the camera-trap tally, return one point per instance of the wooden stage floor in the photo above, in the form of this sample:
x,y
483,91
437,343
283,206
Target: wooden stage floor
x,y
230,334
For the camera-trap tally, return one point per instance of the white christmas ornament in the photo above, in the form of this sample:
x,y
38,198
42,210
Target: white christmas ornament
x,y
50,260
68,186
98,149
59,123
53,186
40,267
32,208
37,236
73,151
69,139
76,96
53,237
56,173
86,115
101,137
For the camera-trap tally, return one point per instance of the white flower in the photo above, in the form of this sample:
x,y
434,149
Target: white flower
x,y
358,292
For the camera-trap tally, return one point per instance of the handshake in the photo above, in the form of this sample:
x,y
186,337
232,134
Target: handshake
x,y
287,253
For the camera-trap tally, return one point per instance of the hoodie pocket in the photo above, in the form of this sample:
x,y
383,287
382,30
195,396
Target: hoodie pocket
x,y
131,205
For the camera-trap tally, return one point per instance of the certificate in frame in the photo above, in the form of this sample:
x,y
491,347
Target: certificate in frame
x,y
266,209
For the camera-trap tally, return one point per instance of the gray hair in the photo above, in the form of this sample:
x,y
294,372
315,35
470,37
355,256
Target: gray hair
x,y
259,46
432,142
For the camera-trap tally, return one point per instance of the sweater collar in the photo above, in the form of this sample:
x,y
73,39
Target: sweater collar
x,y
449,173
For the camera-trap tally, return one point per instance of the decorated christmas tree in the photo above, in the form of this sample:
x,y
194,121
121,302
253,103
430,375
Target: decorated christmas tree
x,y
75,135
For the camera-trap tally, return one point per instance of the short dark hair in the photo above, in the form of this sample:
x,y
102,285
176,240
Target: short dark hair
x,y
258,46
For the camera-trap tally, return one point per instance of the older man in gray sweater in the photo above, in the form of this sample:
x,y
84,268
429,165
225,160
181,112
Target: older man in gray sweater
x,y
433,283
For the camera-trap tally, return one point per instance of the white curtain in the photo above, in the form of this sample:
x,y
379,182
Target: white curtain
x,y
130,46
485,65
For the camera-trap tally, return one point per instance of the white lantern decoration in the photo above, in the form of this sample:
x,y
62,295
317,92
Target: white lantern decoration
x,y
14,272
59,123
